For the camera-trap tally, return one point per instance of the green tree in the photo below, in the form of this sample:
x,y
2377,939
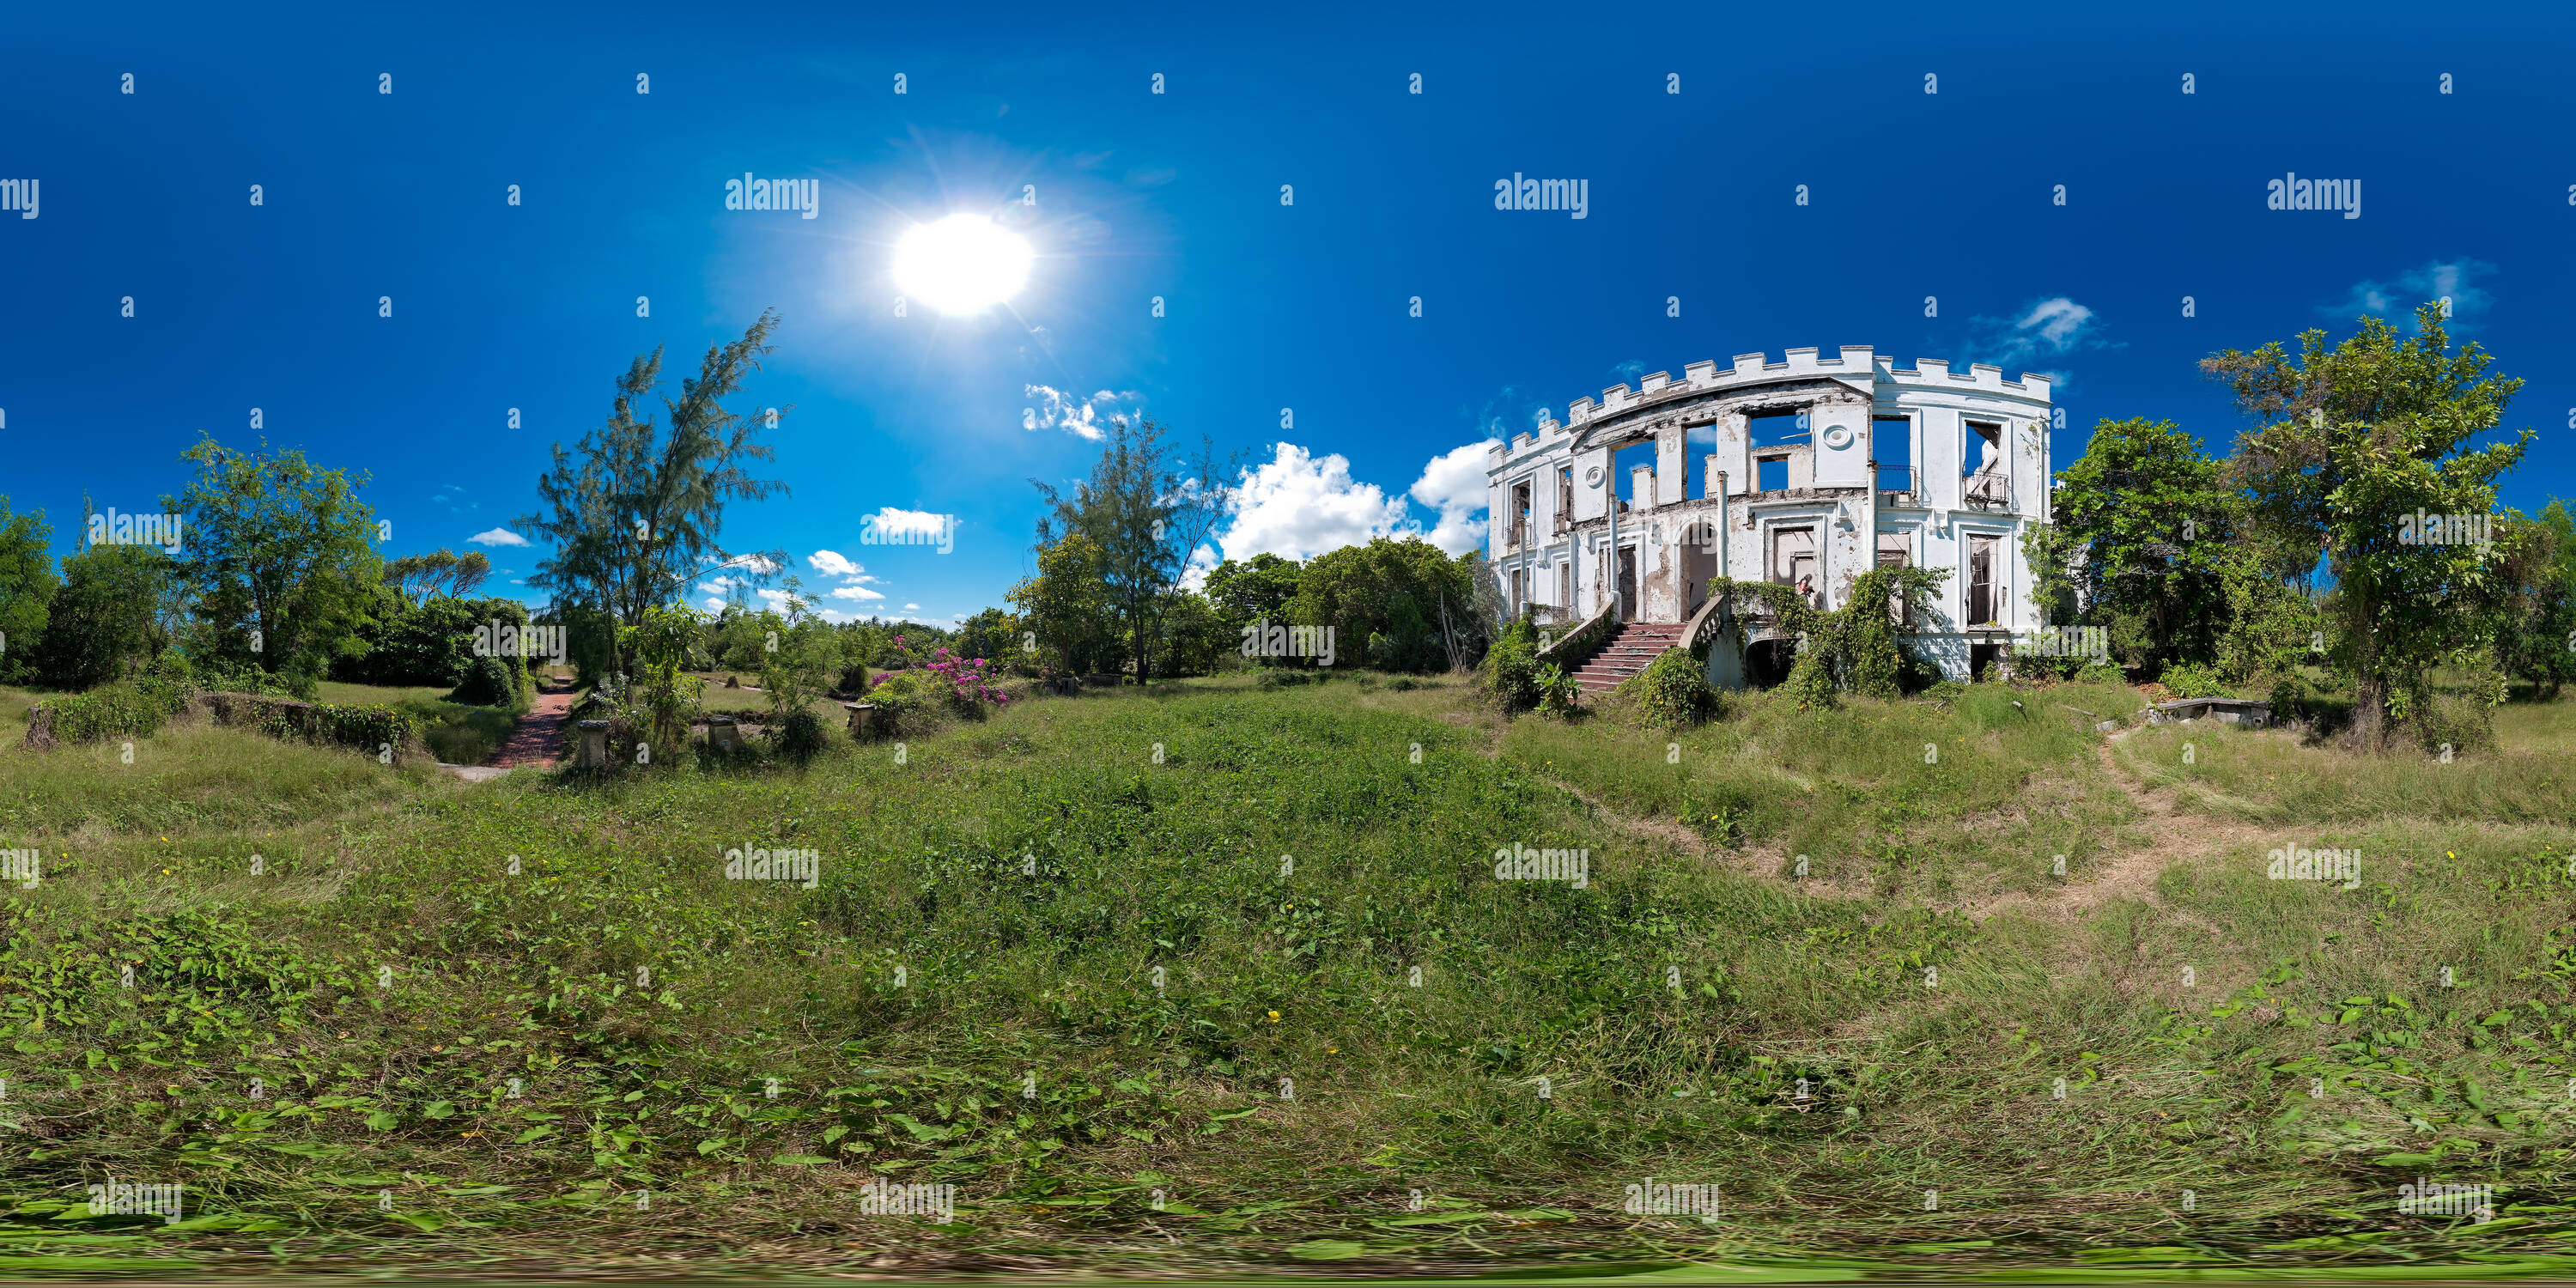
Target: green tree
x,y
1194,635
2352,439
105,620
633,512
1248,590
27,587
1066,606
442,572
280,555
1386,588
2539,642
1146,511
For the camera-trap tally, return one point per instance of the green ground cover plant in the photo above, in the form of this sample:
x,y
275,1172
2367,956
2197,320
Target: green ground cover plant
x,y
1221,975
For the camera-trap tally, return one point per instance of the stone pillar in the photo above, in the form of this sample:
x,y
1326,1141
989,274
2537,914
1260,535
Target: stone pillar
x,y
593,751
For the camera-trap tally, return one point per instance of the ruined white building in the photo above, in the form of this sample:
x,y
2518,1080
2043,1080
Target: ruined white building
x,y
1810,472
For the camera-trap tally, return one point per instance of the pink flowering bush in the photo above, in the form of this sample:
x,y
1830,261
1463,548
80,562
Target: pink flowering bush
x,y
966,685
970,679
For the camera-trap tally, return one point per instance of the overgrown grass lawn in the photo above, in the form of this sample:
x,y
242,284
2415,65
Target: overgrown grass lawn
x,y
1221,977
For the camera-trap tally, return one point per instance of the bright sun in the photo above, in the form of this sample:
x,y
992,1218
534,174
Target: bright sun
x,y
961,264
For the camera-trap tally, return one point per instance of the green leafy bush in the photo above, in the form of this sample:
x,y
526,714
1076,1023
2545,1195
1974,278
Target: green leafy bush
x,y
130,709
800,735
493,682
1511,670
2192,680
1674,690
1557,691
2459,721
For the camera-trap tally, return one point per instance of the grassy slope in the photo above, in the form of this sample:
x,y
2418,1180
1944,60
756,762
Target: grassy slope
x,y
1049,968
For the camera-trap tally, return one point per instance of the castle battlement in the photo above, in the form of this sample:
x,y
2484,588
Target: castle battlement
x,y
1854,360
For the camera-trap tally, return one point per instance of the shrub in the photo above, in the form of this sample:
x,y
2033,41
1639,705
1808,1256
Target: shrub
x,y
126,709
800,735
2192,680
853,679
1511,670
1557,691
1286,679
1674,690
2461,722
492,682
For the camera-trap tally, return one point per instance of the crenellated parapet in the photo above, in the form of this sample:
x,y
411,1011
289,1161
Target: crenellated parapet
x,y
1855,362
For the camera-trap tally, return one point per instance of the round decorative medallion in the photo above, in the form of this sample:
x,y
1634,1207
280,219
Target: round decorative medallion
x,y
1839,437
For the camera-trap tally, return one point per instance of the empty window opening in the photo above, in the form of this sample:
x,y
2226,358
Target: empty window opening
x,y
1518,598
1520,514
1982,599
1698,443
1776,428
1564,497
1565,585
1891,444
1771,474
1793,560
1623,463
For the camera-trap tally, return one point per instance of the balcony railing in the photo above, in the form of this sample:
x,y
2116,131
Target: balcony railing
x,y
1896,485
1989,491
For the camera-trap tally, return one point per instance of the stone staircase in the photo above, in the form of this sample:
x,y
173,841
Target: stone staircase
x,y
1628,652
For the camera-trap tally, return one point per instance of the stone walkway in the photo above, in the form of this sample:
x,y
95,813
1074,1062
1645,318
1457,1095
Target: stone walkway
x,y
537,740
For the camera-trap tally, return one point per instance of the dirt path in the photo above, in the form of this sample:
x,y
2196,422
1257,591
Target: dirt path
x,y
2166,834
537,740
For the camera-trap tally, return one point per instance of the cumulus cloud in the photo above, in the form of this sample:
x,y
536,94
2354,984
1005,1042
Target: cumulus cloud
x,y
831,564
1298,506
498,537
891,522
855,591
1454,484
2395,300
1082,417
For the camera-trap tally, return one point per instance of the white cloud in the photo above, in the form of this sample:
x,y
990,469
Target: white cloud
x,y
891,522
1454,484
2050,328
831,564
2396,300
855,592
1074,414
1297,506
498,537
913,608
715,603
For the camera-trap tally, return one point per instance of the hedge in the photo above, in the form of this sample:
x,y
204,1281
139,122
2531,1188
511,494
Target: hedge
x,y
368,729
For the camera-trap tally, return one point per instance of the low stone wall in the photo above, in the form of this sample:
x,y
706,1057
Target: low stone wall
x,y
391,736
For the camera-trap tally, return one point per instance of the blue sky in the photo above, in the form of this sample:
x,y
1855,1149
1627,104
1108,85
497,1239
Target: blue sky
x,y
368,195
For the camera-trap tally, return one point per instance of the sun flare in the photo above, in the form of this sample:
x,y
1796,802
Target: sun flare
x,y
961,264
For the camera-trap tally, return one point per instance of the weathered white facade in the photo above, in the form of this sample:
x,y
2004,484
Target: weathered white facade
x,y
1922,465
